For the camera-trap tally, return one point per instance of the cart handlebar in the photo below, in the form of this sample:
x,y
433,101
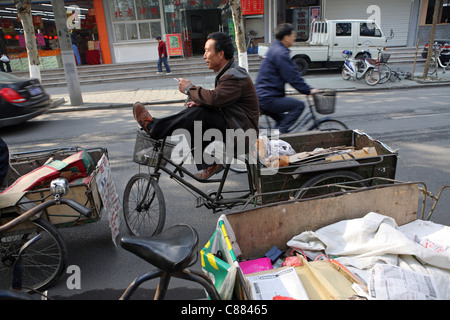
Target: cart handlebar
x,y
58,192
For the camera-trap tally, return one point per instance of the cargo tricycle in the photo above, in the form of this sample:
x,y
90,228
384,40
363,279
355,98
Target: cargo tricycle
x,y
343,156
27,186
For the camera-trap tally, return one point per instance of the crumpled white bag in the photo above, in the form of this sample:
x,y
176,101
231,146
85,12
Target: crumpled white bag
x,y
363,242
275,147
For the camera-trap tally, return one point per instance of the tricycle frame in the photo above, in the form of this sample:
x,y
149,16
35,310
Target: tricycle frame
x,y
212,200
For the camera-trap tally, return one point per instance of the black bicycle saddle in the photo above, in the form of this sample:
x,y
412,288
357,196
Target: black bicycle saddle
x,y
172,250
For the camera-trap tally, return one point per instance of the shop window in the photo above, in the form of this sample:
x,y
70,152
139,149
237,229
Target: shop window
x,y
136,19
369,30
443,15
343,29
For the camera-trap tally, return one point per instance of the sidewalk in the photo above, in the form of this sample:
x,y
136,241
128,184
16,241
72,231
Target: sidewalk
x,y
165,90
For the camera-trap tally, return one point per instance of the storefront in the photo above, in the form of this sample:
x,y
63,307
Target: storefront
x,y
426,20
395,15
300,13
183,24
80,13
121,31
400,16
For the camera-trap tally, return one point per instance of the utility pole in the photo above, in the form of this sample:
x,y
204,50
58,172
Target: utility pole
x,y
65,44
437,7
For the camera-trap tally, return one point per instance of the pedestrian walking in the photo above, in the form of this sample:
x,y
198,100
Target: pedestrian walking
x,y
162,52
4,59
74,39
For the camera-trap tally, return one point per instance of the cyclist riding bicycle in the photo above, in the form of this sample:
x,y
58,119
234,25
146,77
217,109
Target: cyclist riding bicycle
x,y
276,70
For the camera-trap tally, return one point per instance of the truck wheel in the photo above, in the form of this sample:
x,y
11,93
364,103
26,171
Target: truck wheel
x,y
302,65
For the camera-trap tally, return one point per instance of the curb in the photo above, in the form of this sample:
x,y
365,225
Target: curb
x,y
88,106
55,108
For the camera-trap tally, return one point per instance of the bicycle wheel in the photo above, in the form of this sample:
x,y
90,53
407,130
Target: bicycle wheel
x,y
330,125
372,77
330,182
144,208
394,77
385,72
432,67
43,262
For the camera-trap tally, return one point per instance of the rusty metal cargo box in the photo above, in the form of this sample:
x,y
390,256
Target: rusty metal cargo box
x,y
295,175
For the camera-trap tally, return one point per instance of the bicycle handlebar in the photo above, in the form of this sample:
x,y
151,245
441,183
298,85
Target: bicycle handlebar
x,y
34,211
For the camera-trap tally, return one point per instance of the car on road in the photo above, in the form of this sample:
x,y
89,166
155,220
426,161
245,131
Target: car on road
x,y
21,99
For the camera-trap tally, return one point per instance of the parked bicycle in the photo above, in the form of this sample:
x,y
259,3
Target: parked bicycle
x,y
381,65
441,58
323,102
359,68
398,75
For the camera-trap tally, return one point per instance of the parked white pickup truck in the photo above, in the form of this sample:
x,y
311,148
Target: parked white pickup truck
x,y
329,38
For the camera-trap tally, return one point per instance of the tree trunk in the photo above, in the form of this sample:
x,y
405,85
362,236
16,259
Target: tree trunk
x,y
437,7
24,12
238,21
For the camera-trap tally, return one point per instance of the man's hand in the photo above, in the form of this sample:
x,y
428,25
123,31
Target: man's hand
x,y
182,84
191,104
314,91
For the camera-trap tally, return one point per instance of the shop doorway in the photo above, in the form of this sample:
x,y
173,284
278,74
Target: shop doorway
x,y
200,23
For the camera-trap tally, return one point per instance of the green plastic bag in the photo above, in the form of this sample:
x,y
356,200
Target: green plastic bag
x,y
219,261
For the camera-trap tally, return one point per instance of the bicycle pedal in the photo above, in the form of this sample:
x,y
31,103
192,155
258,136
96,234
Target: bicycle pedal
x,y
200,201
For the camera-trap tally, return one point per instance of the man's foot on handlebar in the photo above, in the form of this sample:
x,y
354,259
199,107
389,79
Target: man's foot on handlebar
x,y
142,116
208,172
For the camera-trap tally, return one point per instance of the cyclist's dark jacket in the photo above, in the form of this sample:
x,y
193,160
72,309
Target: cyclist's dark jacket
x,y
234,94
276,70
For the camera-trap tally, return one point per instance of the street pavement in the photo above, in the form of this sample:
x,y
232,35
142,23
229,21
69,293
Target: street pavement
x,y
164,90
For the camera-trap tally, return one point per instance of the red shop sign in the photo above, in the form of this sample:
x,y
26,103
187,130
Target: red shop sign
x,y
250,7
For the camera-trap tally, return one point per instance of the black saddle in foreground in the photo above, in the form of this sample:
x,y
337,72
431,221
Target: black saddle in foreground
x,y
172,250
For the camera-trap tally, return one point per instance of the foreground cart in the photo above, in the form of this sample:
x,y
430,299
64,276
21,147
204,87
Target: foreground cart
x,y
253,234
27,185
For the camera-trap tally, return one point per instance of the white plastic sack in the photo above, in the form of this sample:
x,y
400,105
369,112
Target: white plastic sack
x,y
361,243
274,147
4,58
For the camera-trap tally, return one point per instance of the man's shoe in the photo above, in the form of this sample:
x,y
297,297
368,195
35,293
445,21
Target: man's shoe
x,y
158,72
208,172
169,72
142,116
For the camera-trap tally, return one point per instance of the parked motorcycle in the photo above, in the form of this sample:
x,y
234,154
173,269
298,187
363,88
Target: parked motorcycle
x,y
358,68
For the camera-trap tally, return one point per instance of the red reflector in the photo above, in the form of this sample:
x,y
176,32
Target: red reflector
x,y
11,95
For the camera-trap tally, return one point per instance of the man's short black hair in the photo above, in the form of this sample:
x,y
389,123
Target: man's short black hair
x,y
223,43
284,29
158,38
